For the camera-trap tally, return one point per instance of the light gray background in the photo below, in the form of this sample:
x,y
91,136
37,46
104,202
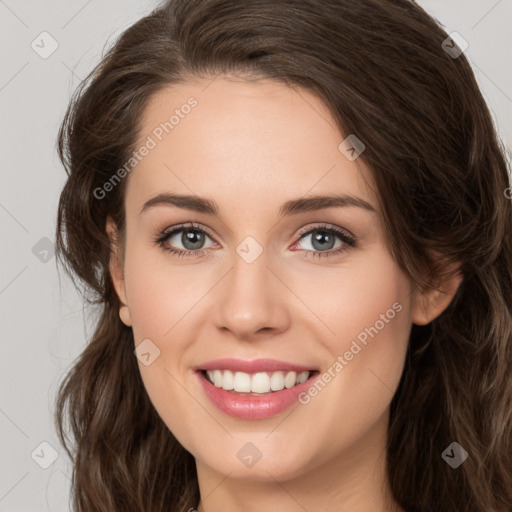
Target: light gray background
x,y
44,325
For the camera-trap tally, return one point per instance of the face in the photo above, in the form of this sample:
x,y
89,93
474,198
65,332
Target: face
x,y
312,289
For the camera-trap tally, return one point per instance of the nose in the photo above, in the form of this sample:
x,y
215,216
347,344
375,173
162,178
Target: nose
x,y
252,300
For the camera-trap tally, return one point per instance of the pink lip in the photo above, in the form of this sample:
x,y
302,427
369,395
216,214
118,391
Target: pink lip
x,y
255,406
255,366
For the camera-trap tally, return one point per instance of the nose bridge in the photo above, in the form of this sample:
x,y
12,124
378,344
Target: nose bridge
x,y
250,298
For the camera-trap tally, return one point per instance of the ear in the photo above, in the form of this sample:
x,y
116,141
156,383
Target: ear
x,y
116,270
431,302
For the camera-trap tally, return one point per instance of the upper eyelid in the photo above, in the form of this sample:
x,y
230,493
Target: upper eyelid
x,y
186,227
327,226
302,232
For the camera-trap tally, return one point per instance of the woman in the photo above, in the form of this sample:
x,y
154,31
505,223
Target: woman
x,y
294,221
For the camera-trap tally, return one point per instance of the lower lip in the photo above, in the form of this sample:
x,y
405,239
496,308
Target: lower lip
x,y
253,407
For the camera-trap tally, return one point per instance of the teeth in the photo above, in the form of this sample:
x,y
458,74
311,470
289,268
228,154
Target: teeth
x,y
260,382
277,381
290,380
263,382
302,377
217,378
242,382
227,380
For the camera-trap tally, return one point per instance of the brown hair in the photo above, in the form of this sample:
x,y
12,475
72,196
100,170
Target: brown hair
x,y
440,172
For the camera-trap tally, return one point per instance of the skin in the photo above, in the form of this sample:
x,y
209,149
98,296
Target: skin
x,y
252,146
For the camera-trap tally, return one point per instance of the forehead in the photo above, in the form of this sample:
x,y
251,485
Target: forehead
x,y
252,145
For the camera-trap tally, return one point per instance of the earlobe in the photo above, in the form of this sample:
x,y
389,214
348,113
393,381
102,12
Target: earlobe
x,y
430,303
124,315
116,271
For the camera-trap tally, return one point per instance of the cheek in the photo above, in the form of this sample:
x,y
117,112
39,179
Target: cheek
x,y
367,351
367,310
364,301
159,295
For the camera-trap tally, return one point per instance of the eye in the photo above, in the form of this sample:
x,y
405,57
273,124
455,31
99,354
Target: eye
x,y
192,237
323,240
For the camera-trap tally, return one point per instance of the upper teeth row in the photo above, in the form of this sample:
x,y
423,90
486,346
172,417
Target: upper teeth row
x,y
262,382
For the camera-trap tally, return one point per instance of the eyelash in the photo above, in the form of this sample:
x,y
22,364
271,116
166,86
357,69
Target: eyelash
x,y
348,241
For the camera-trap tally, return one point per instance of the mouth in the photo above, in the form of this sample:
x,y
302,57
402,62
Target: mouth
x,y
256,384
265,388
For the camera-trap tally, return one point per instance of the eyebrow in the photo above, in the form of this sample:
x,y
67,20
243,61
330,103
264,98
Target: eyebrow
x,y
292,207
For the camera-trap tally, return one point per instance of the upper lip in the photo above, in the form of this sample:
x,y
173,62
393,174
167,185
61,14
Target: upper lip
x,y
254,366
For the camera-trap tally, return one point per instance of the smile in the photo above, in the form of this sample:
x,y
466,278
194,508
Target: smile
x,y
253,390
